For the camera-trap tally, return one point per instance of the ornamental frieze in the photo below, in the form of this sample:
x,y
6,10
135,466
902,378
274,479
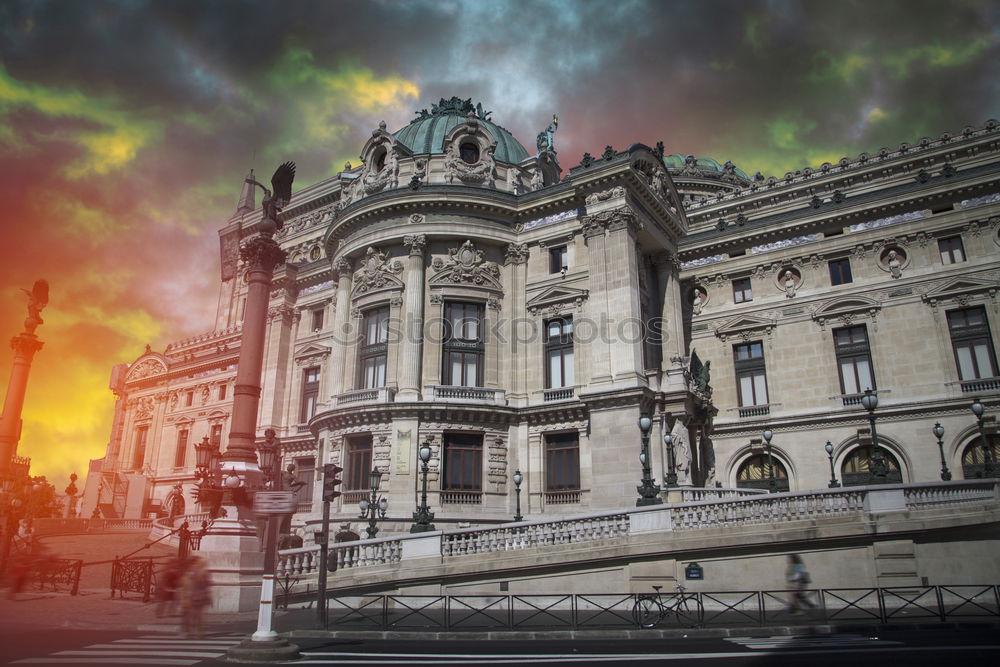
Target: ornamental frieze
x,y
466,265
593,198
146,368
378,272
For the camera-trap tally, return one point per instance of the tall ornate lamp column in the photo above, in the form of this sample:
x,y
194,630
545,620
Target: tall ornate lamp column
x,y
649,491
25,344
879,468
939,434
517,495
834,484
423,516
772,483
374,508
978,410
668,440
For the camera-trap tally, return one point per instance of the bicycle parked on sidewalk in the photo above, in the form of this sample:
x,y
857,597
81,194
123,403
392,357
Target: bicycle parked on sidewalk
x,y
651,608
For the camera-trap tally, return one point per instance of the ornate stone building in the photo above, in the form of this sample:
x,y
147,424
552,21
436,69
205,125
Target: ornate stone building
x,y
460,290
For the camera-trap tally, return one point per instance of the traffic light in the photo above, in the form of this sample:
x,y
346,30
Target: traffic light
x,y
331,480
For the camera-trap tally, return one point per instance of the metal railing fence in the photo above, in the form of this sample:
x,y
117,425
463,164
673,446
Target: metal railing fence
x,y
574,611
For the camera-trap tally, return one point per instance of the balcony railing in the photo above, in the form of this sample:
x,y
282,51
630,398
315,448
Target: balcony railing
x,y
981,384
560,394
755,410
374,395
562,497
467,394
461,498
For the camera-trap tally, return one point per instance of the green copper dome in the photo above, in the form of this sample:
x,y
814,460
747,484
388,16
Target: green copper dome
x,y
426,132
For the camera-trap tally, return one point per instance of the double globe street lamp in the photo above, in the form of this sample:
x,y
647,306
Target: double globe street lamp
x,y
649,492
517,495
879,468
423,516
834,484
373,508
772,483
978,410
939,434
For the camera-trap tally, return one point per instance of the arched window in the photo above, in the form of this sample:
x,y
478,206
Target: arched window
x,y
855,471
753,473
469,152
973,458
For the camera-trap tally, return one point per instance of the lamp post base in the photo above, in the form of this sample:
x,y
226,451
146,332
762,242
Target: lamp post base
x,y
253,650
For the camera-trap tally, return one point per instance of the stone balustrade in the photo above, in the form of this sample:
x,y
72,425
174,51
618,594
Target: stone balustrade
x,y
737,507
691,494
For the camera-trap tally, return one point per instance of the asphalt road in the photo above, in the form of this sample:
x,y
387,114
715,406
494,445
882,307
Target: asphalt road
x,y
973,645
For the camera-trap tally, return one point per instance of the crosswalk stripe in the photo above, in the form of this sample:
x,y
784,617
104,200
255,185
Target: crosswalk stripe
x,y
811,641
102,661
134,652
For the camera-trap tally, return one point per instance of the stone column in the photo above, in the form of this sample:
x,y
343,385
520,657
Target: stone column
x,y
341,326
624,328
25,345
261,254
672,345
594,231
412,321
515,356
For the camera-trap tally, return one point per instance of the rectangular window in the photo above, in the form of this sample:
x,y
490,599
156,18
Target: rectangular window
x,y
854,359
216,437
310,394
971,340
222,392
951,250
182,444
463,462
374,348
189,399
840,272
463,345
562,462
358,463
751,378
317,320
558,259
559,353
741,291
305,472
139,451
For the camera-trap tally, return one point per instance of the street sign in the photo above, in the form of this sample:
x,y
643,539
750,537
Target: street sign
x,y
274,502
694,571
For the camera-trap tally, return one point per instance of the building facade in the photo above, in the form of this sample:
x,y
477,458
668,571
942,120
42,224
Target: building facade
x,y
459,290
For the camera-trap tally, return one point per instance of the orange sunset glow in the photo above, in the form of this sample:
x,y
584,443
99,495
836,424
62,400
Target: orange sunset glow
x,y
126,130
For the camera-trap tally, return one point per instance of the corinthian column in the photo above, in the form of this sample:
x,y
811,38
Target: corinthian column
x,y
412,345
25,345
341,330
261,254
672,344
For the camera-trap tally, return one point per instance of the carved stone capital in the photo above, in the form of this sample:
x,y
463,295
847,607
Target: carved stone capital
x,y
516,253
284,312
342,267
26,345
417,243
261,253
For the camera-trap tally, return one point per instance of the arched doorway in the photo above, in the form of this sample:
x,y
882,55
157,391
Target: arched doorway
x,y
856,468
973,457
753,473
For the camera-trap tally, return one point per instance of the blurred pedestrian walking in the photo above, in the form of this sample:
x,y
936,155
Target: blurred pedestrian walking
x,y
167,587
798,579
196,594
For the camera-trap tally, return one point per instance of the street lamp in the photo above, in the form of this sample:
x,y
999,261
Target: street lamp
x,y
373,508
879,471
267,455
833,477
978,409
939,433
423,516
668,440
517,495
772,483
648,490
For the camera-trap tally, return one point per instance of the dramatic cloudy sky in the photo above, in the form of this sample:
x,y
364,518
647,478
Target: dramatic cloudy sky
x,y
126,128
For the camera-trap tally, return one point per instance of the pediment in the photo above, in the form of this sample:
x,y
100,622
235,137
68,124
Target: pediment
x,y
745,326
960,289
556,296
466,265
146,366
311,351
838,307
